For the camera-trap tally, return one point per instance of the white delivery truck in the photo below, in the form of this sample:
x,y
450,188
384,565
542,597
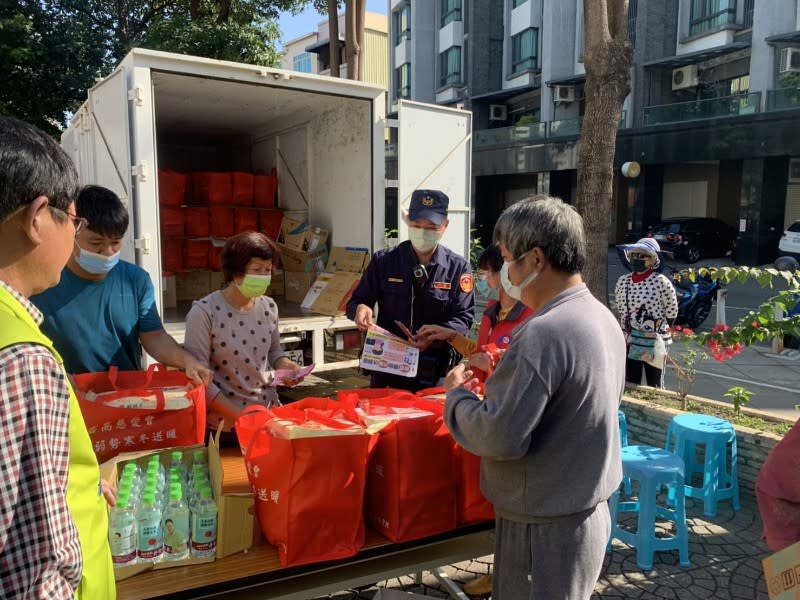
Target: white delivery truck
x,y
324,136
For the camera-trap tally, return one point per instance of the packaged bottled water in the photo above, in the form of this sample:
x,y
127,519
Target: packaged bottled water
x,y
204,526
122,533
176,526
150,544
178,464
199,459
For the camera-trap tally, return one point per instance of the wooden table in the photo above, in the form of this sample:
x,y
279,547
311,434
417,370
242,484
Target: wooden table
x,y
258,573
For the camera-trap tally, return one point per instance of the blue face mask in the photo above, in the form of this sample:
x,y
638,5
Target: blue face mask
x,y
485,290
96,264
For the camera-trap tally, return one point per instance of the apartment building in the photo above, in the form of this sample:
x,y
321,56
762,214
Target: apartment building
x,y
310,53
713,116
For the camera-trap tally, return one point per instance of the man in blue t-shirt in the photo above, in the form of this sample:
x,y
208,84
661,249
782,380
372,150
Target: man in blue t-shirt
x,y
103,311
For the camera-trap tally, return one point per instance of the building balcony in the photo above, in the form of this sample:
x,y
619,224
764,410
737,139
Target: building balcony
x,y
503,136
508,136
783,99
696,110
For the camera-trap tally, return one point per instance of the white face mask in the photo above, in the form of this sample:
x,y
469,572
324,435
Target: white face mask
x,y
515,291
424,240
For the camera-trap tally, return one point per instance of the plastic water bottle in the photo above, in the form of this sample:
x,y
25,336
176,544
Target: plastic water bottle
x,y
204,526
176,526
178,465
122,533
150,544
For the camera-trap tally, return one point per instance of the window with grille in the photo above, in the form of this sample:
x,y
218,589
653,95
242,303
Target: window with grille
x,y
524,50
451,11
450,66
708,15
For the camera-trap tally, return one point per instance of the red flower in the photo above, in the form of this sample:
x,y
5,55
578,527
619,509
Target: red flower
x,y
754,325
720,329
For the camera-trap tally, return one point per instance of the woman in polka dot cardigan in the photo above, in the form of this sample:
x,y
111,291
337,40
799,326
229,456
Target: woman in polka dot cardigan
x,y
647,305
235,331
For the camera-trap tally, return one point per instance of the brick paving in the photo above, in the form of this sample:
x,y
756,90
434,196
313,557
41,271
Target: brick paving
x,y
725,552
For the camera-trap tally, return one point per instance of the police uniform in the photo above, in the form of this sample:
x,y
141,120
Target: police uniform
x,y
439,293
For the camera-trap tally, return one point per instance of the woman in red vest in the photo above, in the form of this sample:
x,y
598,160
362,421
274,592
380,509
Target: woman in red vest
x,y
501,317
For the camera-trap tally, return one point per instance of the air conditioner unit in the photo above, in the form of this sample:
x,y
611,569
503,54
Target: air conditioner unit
x,y
497,112
790,60
685,77
564,93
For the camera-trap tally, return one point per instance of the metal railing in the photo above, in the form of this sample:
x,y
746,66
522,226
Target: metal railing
x,y
565,127
712,108
749,9
503,136
783,99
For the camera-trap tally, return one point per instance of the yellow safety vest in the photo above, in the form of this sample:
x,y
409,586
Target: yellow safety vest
x,y
86,506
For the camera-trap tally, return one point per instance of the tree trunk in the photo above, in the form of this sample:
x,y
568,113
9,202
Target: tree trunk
x,y
194,10
350,42
607,59
333,36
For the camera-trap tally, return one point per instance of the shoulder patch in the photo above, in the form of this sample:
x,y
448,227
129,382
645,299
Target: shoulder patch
x,y
466,283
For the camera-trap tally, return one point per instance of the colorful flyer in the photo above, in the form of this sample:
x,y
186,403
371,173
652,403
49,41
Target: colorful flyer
x,y
387,353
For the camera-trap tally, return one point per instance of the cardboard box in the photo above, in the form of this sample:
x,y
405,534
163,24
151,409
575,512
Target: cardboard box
x,y
347,258
216,281
297,285
316,289
192,285
298,261
235,504
782,573
333,298
168,291
277,286
298,235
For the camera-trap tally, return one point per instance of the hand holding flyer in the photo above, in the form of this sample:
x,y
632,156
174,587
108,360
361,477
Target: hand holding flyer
x,y
290,376
387,353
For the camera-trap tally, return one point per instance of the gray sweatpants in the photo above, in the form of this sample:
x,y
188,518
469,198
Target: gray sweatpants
x,y
559,559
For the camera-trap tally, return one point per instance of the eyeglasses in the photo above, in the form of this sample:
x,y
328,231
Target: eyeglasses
x,y
78,222
642,255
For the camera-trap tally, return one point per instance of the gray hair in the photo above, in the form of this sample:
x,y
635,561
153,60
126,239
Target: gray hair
x,y
548,223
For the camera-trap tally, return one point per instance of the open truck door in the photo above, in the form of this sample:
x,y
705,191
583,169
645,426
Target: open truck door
x,y
112,146
435,152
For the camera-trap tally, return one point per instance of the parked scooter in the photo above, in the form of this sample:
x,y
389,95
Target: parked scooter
x,y
695,299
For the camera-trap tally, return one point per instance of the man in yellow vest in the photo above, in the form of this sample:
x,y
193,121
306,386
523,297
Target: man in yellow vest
x,y
53,520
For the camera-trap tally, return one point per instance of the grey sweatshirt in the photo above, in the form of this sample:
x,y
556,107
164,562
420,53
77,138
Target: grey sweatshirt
x,y
547,428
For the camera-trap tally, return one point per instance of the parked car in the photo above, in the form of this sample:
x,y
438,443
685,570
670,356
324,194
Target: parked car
x,y
693,238
789,245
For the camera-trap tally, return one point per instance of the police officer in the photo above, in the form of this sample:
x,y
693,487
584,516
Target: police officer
x,y
418,282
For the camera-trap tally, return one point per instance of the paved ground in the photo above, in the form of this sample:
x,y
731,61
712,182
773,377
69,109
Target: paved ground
x,y
725,552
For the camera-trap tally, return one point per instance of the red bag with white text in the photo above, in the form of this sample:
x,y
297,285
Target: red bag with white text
x,y
127,411
308,469
411,488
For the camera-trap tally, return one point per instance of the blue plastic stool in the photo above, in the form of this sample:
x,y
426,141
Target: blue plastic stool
x,y
623,428
716,435
653,468
623,440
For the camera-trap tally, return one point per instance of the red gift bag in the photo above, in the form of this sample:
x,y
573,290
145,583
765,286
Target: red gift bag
x,y
172,224
221,221
115,429
242,188
196,221
171,187
264,188
309,492
172,255
212,188
411,489
195,254
245,219
472,506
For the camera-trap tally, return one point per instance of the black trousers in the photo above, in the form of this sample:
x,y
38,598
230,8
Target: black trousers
x,y
633,373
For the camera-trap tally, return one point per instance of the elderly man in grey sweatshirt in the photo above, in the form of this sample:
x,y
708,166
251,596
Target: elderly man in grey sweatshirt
x,y
547,428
